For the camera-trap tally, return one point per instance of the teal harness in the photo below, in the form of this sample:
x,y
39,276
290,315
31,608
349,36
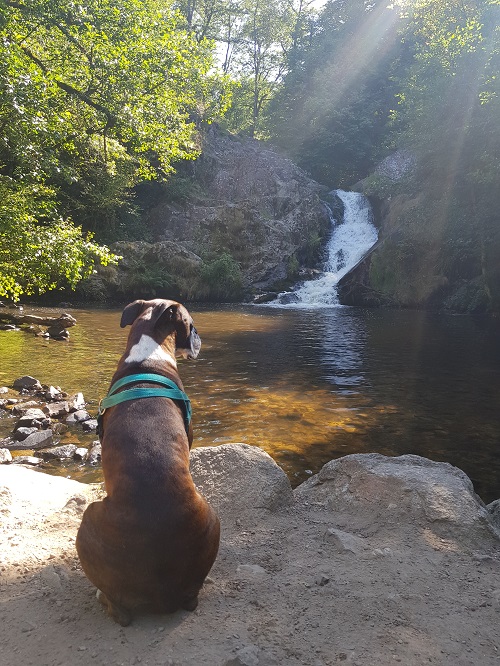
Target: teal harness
x,y
171,391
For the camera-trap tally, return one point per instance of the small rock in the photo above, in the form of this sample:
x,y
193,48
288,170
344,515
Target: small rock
x,y
59,452
27,382
56,409
22,407
21,433
344,541
37,440
4,389
81,453
51,578
57,332
95,454
28,419
58,428
322,580
52,393
246,656
382,552
5,456
27,460
76,402
3,403
90,425
77,503
28,626
79,416
251,569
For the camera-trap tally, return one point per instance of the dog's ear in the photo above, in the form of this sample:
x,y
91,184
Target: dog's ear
x,y
131,312
166,311
171,313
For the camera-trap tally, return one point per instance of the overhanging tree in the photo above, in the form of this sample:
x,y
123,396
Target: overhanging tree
x,y
103,93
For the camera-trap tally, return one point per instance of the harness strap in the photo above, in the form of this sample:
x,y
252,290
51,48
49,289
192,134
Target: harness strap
x,y
172,391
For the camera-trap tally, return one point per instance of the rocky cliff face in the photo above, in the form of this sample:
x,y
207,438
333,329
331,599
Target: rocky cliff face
x,y
239,219
249,201
435,250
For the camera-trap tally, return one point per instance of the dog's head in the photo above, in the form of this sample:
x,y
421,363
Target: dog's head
x,y
159,319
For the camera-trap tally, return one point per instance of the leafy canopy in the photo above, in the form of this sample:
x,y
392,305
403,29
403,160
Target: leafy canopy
x,y
94,97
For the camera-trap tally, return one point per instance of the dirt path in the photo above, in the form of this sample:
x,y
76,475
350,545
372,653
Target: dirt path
x,y
296,582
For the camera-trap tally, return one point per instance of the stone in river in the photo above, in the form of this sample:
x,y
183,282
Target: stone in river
x,y
38,440
59,452
76,402
27,460
90,425
21,433
95,454
52,393
56,409
81,453
27,382
79,416
22,407
28,418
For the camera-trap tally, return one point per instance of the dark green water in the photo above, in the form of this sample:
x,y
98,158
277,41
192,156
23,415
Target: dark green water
x,y
308,386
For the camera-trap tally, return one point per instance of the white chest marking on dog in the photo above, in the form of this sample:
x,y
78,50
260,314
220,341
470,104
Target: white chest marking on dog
x,y
148,349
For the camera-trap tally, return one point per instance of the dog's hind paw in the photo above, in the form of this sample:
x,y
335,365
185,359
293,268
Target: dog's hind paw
x,y
118,613
190,604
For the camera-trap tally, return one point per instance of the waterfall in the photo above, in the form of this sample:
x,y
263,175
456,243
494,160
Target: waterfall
x,y
349,241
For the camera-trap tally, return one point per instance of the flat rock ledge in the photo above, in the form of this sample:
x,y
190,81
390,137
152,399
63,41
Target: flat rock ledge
x,y
374,560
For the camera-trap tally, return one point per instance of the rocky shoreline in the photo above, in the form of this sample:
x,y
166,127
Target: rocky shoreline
x,y
43,415
373,561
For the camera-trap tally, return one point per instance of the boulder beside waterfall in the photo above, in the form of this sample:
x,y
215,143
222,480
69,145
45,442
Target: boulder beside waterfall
x,y
243,199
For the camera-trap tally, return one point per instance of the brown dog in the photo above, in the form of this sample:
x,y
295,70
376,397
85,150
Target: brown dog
x,y
152,541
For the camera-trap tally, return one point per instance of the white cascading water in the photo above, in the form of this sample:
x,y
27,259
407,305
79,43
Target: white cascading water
x,y
350,241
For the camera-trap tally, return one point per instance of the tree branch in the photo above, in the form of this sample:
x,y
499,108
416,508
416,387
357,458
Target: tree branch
x,y
71,90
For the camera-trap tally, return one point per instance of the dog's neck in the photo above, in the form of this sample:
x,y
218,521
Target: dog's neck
x,y
147,350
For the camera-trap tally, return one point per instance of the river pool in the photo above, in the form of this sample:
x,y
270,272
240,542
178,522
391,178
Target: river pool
x,y
306,385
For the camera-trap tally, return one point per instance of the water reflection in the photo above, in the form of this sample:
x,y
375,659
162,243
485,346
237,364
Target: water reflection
x,y
343,348
308,386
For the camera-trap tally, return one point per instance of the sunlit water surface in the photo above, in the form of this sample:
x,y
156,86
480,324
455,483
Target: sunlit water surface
x,y
306,386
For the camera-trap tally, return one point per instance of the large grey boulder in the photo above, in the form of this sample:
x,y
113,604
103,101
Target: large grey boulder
x,y
384,493
28,495
240,480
